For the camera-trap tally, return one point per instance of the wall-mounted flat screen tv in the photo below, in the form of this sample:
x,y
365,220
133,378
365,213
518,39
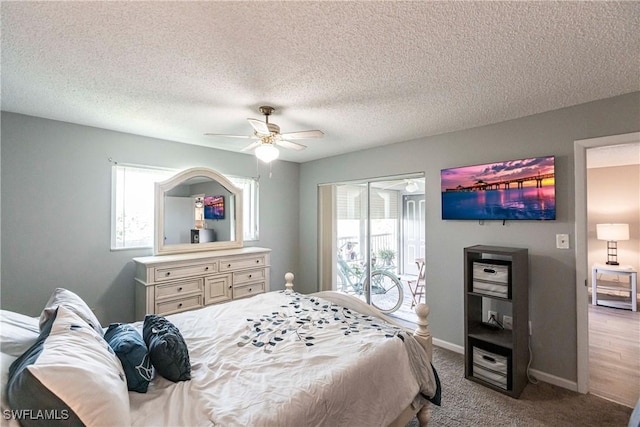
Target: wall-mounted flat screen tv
x,y
213,207
513,190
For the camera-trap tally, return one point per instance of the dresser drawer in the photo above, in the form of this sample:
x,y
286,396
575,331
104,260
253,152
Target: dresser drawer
x,y
171,273
178,289
179,304
248,290
246,276
242,263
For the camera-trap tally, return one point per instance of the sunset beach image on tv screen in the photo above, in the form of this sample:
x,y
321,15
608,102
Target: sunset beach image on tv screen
x,y
214,207
521,189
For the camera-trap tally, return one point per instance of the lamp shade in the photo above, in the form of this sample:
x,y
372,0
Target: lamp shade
x,y
612,232
267,153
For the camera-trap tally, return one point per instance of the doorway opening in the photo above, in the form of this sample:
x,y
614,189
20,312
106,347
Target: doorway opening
x,y
606,334
372,235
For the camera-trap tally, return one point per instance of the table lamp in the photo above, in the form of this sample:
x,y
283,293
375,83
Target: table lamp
x,y
612,233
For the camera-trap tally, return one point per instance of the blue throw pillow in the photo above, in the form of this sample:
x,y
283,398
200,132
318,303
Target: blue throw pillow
x,y
130,348
167,349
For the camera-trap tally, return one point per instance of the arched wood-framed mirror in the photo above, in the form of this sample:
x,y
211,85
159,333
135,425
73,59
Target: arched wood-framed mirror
x,y
197,210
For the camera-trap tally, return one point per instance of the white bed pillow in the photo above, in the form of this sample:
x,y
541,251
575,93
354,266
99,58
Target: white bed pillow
x,y
72,371
17,332
5,361
73,302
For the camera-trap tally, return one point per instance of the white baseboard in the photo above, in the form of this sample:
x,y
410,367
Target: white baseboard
x,y
552,379
448,346
539,375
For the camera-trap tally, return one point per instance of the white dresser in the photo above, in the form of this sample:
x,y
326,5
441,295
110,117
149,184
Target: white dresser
x,y
168,284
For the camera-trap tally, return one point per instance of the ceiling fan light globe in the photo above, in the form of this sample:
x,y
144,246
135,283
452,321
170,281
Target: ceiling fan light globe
x,y
411,187
267,153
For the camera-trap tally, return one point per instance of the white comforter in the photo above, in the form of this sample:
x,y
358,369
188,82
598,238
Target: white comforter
x,y
280,359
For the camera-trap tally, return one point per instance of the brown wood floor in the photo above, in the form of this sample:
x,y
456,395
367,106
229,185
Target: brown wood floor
x,y
614,354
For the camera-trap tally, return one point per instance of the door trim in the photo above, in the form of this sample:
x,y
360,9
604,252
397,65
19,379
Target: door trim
x,y
582,295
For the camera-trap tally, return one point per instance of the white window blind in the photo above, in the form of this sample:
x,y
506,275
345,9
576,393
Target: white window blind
x,y
249,187
351,202
132,205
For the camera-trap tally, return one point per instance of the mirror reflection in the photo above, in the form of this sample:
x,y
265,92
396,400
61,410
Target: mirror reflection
x,y
197,210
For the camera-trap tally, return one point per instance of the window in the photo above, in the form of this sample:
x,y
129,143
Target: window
x,y
249,187
132,205
132,212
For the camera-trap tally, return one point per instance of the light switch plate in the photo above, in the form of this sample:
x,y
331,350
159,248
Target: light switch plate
x,y
562,241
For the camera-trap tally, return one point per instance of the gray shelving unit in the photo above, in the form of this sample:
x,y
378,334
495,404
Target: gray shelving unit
x,y
495,357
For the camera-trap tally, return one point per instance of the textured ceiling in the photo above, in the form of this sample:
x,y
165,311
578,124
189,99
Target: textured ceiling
x,y
365,73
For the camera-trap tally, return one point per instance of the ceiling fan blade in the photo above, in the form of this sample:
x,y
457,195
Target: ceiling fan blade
x,y
260,126
292,145
251,146
303,134
231,136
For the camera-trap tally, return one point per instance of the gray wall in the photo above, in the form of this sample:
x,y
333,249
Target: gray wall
x,y
552,271
56,199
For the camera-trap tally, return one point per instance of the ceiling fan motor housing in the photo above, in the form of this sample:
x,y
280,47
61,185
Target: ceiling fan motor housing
x,y
266,110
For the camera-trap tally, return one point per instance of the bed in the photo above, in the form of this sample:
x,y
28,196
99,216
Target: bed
x,y
275,359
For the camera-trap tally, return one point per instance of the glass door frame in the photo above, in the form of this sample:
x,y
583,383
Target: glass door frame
x,y
327,229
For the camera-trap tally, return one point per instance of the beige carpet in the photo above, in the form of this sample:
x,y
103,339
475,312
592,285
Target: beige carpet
x,y
465,403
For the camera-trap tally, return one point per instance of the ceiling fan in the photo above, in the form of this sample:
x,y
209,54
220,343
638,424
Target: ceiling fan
x,y
268,137
410,185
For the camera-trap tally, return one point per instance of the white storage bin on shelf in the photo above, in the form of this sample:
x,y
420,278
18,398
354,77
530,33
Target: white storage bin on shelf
x,y
490,277
490,367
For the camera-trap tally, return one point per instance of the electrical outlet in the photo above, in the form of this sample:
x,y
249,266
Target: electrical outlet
x,y
492,313
507,322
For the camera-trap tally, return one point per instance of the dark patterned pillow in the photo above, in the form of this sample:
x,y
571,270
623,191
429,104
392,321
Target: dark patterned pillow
x,y
167,349
130,348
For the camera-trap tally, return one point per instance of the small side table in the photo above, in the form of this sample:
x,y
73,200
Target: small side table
x,y
630,287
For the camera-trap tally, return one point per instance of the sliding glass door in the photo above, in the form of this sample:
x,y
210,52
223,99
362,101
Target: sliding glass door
x,y
351,235
362,235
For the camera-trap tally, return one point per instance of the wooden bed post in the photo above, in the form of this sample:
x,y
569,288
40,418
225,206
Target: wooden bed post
x,y
424,337
422,333
288,285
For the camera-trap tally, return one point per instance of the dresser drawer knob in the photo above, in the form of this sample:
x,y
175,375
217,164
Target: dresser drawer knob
x,y
206,269
167,273
250,276
179,305
257,261
228,265
180,288
230,286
